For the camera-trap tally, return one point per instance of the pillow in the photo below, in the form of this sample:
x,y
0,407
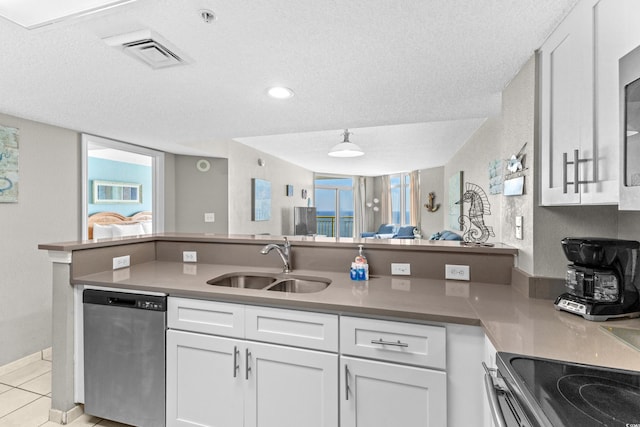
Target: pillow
x,y
147,227
102,231
386,229
405,231
385,236
124,230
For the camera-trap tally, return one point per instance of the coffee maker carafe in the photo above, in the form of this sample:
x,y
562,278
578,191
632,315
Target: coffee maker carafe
x,y
602,279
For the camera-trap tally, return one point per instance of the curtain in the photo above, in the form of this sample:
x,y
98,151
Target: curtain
x,y
414,195
385,201
359,192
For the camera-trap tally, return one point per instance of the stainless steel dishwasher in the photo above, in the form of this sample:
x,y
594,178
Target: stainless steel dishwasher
x,y
124,357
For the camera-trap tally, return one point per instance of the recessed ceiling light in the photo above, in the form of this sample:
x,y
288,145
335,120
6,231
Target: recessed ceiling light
x,y
36,13
280,92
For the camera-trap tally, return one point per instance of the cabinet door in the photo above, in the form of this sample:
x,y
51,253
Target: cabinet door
x,y
204,380
290,387
379,394
566,104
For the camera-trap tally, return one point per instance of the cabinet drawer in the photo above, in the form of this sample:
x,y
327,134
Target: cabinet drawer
x,y
422,345
208,317
291,327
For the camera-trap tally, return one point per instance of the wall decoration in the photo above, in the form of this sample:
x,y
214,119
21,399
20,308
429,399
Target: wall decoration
x,y
473,226
430,205
495,176
289,190
455,195
514,187
116,192
304,193
8,165
260,200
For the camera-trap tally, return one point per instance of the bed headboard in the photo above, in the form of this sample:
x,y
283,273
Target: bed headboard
x,y
108,218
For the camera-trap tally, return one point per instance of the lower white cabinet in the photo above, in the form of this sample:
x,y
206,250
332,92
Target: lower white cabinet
x,y
224,382
382,394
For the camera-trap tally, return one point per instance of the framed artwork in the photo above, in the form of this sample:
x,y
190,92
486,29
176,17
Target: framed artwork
x,y
8,165
455,196
260,200
289,190
116,192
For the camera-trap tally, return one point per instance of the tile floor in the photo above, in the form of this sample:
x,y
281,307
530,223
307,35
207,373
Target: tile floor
x,y
25,399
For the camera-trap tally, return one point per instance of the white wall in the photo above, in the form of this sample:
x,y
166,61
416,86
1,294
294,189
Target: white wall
x,y
243,166
48,210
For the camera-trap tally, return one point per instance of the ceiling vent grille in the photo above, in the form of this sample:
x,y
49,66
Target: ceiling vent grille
x,y
149,48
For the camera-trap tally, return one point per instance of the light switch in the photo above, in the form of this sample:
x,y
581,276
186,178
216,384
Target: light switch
x,y
519,227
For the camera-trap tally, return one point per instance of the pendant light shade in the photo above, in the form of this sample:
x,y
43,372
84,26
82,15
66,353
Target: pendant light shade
x,y
346,148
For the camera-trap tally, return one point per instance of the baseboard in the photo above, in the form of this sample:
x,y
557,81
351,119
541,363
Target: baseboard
x,y
20,363
536,286
65,417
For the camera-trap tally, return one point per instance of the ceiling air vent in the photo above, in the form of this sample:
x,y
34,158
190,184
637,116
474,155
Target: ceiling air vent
x,y
149,48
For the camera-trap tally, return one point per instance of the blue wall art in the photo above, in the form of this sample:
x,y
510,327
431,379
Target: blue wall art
x,y
8,165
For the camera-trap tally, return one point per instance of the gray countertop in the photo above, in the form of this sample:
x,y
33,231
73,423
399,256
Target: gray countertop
x,y
513,322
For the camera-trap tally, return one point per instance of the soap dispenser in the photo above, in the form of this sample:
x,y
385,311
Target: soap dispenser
x,y
360,268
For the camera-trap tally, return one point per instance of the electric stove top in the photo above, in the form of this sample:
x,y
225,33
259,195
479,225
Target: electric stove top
x,y
568,394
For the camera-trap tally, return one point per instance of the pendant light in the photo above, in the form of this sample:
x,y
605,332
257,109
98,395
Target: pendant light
x,y
346,148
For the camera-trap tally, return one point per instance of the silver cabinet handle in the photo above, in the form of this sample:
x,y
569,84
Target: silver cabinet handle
x,y
346,381
396,344
236,365
247,355
576,171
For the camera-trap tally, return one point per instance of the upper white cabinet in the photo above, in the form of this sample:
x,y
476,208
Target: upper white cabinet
x,y
579,102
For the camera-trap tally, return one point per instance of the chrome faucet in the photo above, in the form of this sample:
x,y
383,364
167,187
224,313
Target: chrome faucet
x,y
283,250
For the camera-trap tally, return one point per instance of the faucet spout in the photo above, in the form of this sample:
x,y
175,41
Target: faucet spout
x,y
283,250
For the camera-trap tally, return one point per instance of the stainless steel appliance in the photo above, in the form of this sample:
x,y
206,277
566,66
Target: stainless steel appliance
x,y
602,280
124,357
535,392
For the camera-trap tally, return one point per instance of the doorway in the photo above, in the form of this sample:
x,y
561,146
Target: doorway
x,y
131,178
334,206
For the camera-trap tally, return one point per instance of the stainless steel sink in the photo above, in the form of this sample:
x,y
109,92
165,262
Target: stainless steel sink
x,y
280,282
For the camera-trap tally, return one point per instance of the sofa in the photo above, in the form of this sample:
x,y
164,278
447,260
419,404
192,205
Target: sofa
x,y
391,231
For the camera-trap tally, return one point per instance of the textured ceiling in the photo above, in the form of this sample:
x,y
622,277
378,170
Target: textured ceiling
x,y
437,66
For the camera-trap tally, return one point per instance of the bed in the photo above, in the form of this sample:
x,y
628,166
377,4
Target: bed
x,y
106,225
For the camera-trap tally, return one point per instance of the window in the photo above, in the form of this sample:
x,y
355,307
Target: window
x,y
401,198
334,204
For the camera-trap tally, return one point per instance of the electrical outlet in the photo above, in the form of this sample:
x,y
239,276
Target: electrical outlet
x,y
400,269
210,217
189,256
121,262
456,272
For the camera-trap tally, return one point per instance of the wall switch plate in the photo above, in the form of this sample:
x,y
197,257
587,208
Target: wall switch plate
x,y
456,272
400,269
519,227
210,217
121,262
189,256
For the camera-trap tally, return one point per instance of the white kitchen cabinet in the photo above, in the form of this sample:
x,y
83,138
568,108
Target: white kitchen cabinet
x,y
389,391
204,382
566,107
226,382
380,394
290,387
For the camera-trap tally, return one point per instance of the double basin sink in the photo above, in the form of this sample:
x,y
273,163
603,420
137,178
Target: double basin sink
x,y
281,282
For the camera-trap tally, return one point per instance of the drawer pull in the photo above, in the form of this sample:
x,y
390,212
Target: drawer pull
x,y
236,365
396,344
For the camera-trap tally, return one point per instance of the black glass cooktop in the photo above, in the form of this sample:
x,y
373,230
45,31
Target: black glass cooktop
x,y
572,394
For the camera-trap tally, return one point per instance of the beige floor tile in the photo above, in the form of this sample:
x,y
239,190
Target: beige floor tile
x,y
32,415
83,420
14,399
27,373
40,385
4,388
108,423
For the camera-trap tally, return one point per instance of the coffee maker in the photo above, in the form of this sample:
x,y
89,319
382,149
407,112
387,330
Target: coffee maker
x,y
602,279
